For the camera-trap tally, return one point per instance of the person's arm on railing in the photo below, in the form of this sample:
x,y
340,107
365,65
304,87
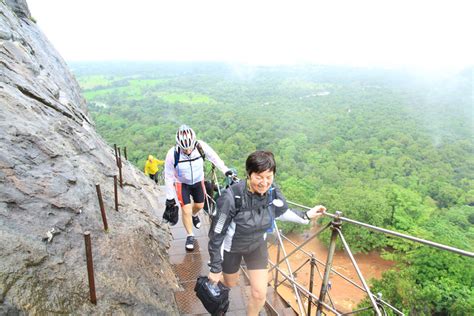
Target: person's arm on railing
x,y
300,217
283,213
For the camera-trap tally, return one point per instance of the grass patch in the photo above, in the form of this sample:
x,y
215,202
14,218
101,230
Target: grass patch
x,y
186,98
99,86
91,82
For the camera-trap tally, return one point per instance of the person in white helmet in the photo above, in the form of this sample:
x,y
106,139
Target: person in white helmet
x,y
184,178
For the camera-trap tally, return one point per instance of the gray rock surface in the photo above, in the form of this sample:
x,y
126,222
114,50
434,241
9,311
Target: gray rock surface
x,y
50,160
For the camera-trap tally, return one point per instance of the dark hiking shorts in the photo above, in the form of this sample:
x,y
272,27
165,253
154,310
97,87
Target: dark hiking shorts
x,y
255,260
185,191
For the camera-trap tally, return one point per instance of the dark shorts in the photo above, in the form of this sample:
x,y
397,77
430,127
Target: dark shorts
x,y
255,260
154,177
185,191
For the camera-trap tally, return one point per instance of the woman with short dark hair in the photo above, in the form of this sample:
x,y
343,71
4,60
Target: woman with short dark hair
x,y
245,213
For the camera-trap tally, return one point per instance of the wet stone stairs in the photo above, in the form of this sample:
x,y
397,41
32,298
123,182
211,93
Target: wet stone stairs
x,y
188,265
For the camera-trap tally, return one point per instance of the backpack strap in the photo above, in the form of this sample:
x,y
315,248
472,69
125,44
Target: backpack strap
x,y
176,156
271,207
201,151
239,202
178,151
238,199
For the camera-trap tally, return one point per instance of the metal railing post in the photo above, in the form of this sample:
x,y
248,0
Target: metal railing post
x,y
90,267
120,173
311,283
120,167
116,155
116,193
336,223
102,208
275,282
359,273
295,289
119,155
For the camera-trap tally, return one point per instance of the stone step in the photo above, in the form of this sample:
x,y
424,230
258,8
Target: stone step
x,y
276,305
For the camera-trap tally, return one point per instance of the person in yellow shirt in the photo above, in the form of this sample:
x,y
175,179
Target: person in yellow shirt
x,y
152,167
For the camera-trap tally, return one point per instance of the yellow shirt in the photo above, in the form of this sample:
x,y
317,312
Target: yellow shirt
x,y
153,166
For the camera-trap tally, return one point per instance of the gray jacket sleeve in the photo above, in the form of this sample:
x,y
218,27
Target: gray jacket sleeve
x,y
293,216
220,223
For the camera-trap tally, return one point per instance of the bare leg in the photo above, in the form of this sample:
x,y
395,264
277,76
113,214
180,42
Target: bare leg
x,y
258,286
231,280
197,207
186,216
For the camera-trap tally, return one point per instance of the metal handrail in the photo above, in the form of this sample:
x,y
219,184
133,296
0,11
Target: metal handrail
x,y
298,298
300,246
393,233
323,264
294,272
359,273
376,302
397,234
335,272
304,290
290,277
302,250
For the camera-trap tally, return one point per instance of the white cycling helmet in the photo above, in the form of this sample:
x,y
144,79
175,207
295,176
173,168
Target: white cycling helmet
x,y
185,137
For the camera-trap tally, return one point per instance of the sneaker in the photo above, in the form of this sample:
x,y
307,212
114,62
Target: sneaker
x,y
190,243
196,222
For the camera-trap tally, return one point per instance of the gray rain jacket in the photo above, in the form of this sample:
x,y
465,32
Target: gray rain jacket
x,y
242,228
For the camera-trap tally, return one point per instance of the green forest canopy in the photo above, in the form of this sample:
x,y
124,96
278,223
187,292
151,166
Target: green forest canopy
x,y
389,148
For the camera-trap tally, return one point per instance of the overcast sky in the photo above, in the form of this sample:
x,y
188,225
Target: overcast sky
x,y
425,34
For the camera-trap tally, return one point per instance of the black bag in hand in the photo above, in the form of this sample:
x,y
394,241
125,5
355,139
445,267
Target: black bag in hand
x,y
214,298
171,214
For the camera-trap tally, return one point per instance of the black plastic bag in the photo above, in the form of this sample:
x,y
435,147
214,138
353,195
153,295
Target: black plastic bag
x,y
214,298
171,215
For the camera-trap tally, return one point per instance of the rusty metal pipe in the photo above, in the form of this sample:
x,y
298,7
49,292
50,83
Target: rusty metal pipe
x,y
116,155
90,267
120,173
120,156
102,209
332,248
311,283
116,193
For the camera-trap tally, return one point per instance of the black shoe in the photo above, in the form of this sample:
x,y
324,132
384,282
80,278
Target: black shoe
x,y
196,222
189,243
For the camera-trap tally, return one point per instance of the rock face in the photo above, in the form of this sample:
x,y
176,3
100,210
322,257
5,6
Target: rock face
x,y
50,160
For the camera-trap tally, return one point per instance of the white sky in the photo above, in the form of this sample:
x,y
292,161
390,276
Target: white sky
x,y
424,34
